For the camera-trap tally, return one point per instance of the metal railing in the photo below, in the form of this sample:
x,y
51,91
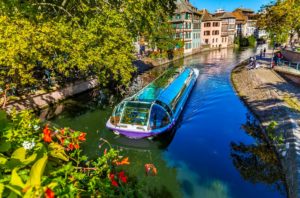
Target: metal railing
x,y
294,65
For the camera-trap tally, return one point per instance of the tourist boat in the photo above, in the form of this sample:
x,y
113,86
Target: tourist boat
x,y
156,108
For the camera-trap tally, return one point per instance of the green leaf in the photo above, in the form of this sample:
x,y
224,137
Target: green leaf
x,y
1,189
3,120
3,159
37,171
15,190
29,193
19,154
58,151
30,159
16,179
5,146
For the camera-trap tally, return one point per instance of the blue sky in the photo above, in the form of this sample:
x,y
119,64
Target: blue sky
x,y
228,5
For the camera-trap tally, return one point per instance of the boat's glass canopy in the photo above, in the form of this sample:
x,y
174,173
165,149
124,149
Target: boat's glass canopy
x,y
154,89
154,105
135,113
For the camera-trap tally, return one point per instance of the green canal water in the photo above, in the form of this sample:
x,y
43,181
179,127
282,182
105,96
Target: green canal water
x,y
213,151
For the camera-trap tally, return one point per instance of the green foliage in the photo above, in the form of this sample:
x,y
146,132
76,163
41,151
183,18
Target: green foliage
x,y
53,163
88,36
23,127
274,136
281,19
251,41
245,41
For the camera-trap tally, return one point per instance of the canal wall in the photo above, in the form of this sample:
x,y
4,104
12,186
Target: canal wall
x,y
41,101
290,55
274,100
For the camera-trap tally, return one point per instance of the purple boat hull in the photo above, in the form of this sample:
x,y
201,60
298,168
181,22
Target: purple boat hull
x,y
138,135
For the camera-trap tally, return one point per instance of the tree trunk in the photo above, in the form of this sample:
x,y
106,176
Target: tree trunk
x,y
5,97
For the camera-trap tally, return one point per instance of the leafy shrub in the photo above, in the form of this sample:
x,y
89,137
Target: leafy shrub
x,y
47,161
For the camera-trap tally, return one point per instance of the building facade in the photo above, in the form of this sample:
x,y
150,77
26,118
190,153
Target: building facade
x,y
228,27
187,24
211,28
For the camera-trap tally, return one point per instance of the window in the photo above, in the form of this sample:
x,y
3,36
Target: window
x,y
222,39
188,45
207,24
206,33
159,117
206,41
187,16
216,40
213,40
215,24
178,16
188,35
215,32
188,25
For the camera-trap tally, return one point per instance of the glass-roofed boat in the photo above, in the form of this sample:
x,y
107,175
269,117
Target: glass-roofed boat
x,y
156,108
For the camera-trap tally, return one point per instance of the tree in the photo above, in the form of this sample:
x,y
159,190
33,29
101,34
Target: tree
x,y
63,36
281,19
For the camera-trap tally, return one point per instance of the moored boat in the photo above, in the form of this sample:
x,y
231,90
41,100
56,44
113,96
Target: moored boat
x,y
156,108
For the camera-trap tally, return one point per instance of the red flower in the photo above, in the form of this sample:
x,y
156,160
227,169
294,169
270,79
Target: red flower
x,y
47,134
71,146
62,131
111,176
105,151
49,193
47,138
81,137
123,162
122,177
76,146
112,179
62,140
150,169
46,129
114,183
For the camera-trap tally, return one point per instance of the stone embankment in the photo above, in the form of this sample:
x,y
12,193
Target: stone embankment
x,y
41,101
272,99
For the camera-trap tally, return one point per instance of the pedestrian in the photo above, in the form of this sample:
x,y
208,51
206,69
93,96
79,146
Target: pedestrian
x,y
265,52
261,53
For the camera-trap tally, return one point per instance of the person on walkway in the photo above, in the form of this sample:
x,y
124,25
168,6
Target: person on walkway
x,y
261,54
264,52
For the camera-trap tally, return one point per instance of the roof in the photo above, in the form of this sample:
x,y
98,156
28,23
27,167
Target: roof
x,y
206,16
184,6
244,10
224,15
239,16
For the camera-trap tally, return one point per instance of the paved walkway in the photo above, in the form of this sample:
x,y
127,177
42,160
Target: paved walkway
x,y
272,98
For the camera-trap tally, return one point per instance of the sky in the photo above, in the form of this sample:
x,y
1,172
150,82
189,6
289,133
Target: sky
x,y
228,5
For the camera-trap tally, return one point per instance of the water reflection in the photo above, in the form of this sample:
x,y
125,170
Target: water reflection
x,y
258,162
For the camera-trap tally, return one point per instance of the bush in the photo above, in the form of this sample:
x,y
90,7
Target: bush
x,y
38,161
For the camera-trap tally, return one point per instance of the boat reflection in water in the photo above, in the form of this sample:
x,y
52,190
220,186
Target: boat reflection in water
x,y
156,108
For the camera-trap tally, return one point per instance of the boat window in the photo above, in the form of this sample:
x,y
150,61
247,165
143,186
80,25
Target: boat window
x,y
135,113
159,117
166,107
115,119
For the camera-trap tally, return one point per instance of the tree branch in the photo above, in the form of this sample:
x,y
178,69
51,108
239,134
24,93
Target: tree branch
x,y
54,6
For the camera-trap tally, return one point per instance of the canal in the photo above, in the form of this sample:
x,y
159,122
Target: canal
x,y
212,153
